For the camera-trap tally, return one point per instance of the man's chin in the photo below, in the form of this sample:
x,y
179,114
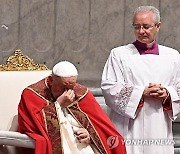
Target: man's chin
x,y
146,41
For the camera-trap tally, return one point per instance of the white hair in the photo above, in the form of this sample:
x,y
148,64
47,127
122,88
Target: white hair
x,y
153,9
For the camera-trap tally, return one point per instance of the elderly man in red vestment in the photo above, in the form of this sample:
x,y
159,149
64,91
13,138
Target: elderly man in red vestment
x,y
63,117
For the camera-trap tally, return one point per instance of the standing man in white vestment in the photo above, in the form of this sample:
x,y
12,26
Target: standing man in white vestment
x,y
141,85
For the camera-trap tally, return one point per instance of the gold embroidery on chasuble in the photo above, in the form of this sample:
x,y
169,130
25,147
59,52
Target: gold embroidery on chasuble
x,y
82,118
52,124
53,128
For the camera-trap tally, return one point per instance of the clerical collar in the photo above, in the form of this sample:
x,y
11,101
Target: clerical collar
x,y
143,48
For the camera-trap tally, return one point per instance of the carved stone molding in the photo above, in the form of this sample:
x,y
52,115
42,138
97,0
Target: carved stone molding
x,y
20,62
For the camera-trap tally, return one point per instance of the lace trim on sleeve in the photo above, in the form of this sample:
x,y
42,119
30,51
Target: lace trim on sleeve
x,y
178,91
123,98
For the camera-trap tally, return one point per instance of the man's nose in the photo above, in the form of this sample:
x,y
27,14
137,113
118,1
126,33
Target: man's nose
x,y
70,86
141,30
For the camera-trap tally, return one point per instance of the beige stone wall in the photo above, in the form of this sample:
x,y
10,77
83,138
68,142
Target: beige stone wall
x,y
81,31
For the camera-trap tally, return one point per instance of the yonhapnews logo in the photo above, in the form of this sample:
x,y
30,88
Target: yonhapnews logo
x,y
112,141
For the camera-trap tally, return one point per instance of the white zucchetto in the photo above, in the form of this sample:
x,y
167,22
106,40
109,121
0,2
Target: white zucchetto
x,y
64,69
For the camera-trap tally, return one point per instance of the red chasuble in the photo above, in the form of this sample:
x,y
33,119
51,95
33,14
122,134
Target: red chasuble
x,y
37,118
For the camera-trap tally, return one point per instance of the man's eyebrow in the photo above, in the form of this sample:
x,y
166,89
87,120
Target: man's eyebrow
x,y
69,82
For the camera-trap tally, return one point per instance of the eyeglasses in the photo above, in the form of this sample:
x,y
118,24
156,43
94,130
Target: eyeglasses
x,y
144,26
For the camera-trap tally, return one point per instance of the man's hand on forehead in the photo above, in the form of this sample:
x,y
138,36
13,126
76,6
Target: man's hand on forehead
x,y
66,98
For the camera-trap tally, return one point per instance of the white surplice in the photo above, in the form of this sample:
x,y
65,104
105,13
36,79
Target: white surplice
x,y
146,130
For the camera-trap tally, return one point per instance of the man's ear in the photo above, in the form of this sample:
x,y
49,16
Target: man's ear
x,y
158,26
